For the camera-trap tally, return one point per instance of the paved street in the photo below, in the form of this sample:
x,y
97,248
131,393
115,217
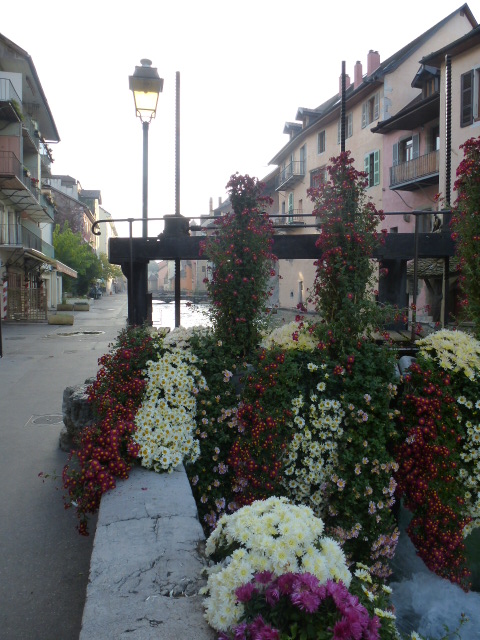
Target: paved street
x,y
44,562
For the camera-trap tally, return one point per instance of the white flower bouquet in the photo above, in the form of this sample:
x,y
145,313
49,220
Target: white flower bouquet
x,y
268,535
166,420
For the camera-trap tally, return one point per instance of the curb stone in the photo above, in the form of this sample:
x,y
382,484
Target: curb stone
x,y
146,566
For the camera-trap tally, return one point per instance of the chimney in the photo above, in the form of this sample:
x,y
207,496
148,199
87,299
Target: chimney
x,y
220,201
211,206
347,83
357,74
373,62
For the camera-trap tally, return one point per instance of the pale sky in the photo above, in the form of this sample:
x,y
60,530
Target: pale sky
x,y
245,68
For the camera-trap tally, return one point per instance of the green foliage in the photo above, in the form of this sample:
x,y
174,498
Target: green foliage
x,y
109,271
71,249
211,476
289,443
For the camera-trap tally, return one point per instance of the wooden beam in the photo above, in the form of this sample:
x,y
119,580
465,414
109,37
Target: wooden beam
x,y
397,246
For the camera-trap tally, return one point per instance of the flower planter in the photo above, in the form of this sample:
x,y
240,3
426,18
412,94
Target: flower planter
x,y
61,318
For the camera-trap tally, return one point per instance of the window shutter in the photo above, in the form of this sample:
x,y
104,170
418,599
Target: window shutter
x,y
466,112
364,115
395,154
416,145
376,108
366,167
339,129
290,206
376,167
350,125
303,158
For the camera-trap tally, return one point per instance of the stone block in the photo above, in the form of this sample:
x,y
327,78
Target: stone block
x,y
60,318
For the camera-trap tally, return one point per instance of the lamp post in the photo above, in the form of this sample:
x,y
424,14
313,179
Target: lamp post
x,y
146,86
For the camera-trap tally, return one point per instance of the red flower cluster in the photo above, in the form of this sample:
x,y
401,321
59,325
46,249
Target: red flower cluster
x,y
427,476
465,225
105,451
255,457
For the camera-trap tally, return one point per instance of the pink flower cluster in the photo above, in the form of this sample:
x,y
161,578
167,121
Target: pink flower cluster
x,y
329,607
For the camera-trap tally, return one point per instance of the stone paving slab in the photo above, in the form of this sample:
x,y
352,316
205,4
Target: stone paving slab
x,y
146,566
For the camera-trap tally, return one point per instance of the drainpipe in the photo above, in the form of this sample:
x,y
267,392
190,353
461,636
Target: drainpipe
x,y
342,111
177,194
448,177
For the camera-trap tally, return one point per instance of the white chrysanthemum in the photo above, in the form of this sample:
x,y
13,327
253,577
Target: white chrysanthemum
x,y
166,419
453,351
312,455
289,336
270,535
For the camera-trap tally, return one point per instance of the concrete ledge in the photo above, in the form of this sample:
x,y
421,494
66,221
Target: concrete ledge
x,y
60,318
146,564
81,306
65,307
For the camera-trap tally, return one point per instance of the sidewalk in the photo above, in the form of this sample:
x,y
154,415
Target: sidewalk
x,y
44,563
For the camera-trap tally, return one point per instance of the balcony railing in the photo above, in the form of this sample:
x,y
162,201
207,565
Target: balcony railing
x,y
422,170
294,218
10,165
290,175
8,93
30,128
13,234
23,189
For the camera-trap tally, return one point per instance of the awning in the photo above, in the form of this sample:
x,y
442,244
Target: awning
x,y
63,268
18,252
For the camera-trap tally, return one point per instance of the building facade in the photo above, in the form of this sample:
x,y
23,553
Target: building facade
x,y
30,277
394,131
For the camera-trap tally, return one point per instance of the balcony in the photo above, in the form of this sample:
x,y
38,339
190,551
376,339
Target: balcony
x,y
18,236
290,175
293,218
415,174
10,101
31,134
22,191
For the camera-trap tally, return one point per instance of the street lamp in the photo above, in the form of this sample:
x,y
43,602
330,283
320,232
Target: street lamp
x,y
146,86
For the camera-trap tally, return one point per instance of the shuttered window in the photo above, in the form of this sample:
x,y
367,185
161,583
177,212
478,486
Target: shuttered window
x,y
372,168
370,110
466,110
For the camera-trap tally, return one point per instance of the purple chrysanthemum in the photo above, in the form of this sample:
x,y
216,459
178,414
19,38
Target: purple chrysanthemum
x,y
245,592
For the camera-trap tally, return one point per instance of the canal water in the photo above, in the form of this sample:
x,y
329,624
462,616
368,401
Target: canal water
x,y
163,314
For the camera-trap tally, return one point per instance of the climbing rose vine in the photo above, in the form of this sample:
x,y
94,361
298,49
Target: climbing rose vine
x,y
465,226
343,292
242,264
